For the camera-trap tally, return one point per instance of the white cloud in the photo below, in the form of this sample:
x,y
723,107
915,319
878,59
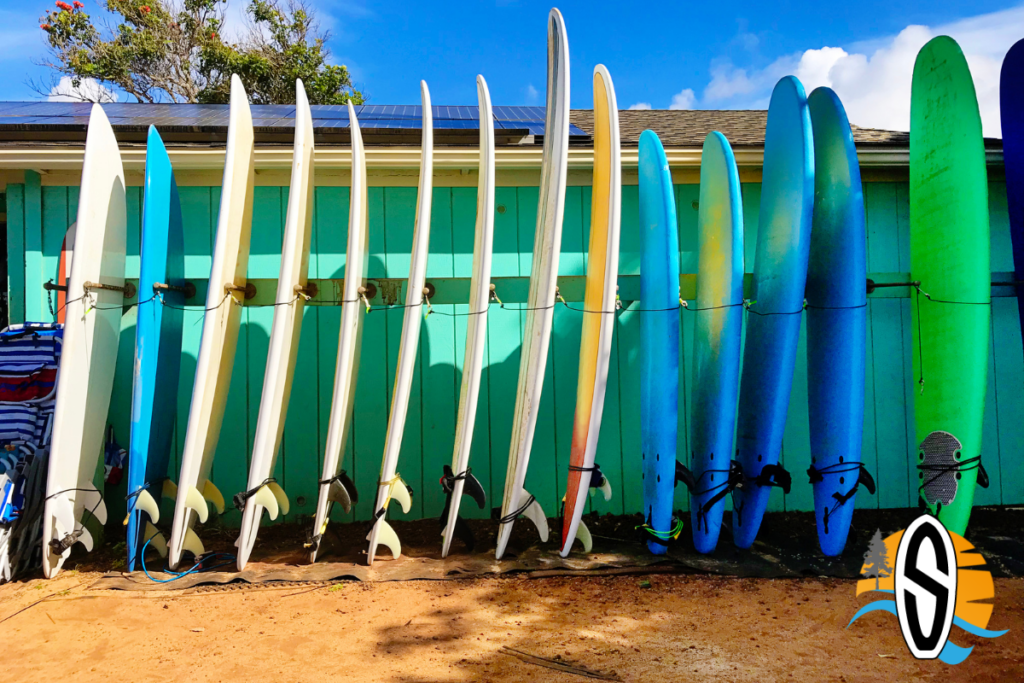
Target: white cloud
x,y
873,79
88,90
683,100
640,105
532,94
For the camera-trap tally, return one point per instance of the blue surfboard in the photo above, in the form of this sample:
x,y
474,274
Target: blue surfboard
x,y
157,345
659,338
836,323
1011,108
773,320
716,339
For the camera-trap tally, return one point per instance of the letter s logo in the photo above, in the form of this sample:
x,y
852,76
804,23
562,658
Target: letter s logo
x,y
925,583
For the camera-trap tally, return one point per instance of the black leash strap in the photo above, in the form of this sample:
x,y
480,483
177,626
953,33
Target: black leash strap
x,y
241,498
864,477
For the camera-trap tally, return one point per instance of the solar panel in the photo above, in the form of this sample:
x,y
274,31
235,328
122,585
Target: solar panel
x,y
374,116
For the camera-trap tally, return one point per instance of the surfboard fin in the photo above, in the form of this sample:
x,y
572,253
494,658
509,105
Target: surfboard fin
x,y
213,495
386,536
144,502
343,492
865,479
92,501
170,489
982,476
535,514
774,475
156,540
265,496
683,474
192,544
195,501
584,537
600,483
401,492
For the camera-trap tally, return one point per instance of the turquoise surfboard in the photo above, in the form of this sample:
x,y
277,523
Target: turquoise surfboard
x,y
716,339
773,321
659,338
157,348
836,323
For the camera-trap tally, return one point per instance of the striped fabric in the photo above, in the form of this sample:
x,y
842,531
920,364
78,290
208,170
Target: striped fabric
x,y
29,356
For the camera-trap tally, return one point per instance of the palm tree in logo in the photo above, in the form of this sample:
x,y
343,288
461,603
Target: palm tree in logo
x,y
876,559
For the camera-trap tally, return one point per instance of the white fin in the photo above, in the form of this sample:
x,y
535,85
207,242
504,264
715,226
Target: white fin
x,y
212,494
146,503
535,514
92,500
584,537
400,492
280,495
85,539
192,543
386,536
195,501
265,497
63,515
170,489
605,488
156,540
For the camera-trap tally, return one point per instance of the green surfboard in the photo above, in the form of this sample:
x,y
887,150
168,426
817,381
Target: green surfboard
x,y
949,256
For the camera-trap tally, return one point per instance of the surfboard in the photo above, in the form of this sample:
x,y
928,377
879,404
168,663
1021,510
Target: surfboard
x,y
659,338
67,252
95,299
949,256
157,350
221,321
391,486
335,485
543,279
1011,110
455,480
836,323
599,319
717,337
263,492
773,320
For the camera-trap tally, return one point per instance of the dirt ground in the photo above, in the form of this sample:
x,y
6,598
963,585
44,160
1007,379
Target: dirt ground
x,y
630,628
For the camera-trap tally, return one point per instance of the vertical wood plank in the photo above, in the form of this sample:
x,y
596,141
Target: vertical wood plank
x,y
35,297
16,253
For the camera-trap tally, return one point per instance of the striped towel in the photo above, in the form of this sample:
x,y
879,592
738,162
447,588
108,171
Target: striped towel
x,y
29,356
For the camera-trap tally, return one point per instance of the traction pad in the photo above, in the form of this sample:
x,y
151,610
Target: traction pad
x,y
786,548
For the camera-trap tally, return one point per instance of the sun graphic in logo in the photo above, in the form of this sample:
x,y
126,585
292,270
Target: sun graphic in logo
x,y
918,571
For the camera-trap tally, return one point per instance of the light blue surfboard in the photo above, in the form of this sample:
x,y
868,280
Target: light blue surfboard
x,y
659,337
773,321
716,339
157,342
836,323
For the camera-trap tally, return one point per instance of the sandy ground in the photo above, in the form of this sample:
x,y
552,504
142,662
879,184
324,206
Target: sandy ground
x,y
640,628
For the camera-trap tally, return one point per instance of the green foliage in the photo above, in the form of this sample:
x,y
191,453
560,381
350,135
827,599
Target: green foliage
x,y
172,50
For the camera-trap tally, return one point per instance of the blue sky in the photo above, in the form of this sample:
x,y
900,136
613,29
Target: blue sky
x,y
686,54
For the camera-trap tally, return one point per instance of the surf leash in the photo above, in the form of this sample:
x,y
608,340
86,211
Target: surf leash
x,y
863,477
201,565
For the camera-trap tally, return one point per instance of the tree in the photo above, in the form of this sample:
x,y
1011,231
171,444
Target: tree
x,y
173,50
876,559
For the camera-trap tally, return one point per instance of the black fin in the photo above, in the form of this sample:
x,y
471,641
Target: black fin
x,y
464,533
866,479
475,489
982,476
683,474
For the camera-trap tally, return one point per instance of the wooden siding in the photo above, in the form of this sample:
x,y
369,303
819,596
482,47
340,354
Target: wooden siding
x,y
39,214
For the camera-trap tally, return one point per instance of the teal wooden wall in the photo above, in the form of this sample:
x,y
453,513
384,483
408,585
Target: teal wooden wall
x,y
38,217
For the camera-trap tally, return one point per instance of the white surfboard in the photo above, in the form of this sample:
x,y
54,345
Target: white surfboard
x,y
476,330
335,487
599,321
92,328
543,282
262,491
390,485
220,333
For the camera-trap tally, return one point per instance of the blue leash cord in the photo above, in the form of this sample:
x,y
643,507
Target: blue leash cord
x,y
229,558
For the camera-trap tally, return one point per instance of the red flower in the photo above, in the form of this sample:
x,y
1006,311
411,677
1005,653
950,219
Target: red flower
x,y
79,4
63,5
145,9
45,27
212,36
